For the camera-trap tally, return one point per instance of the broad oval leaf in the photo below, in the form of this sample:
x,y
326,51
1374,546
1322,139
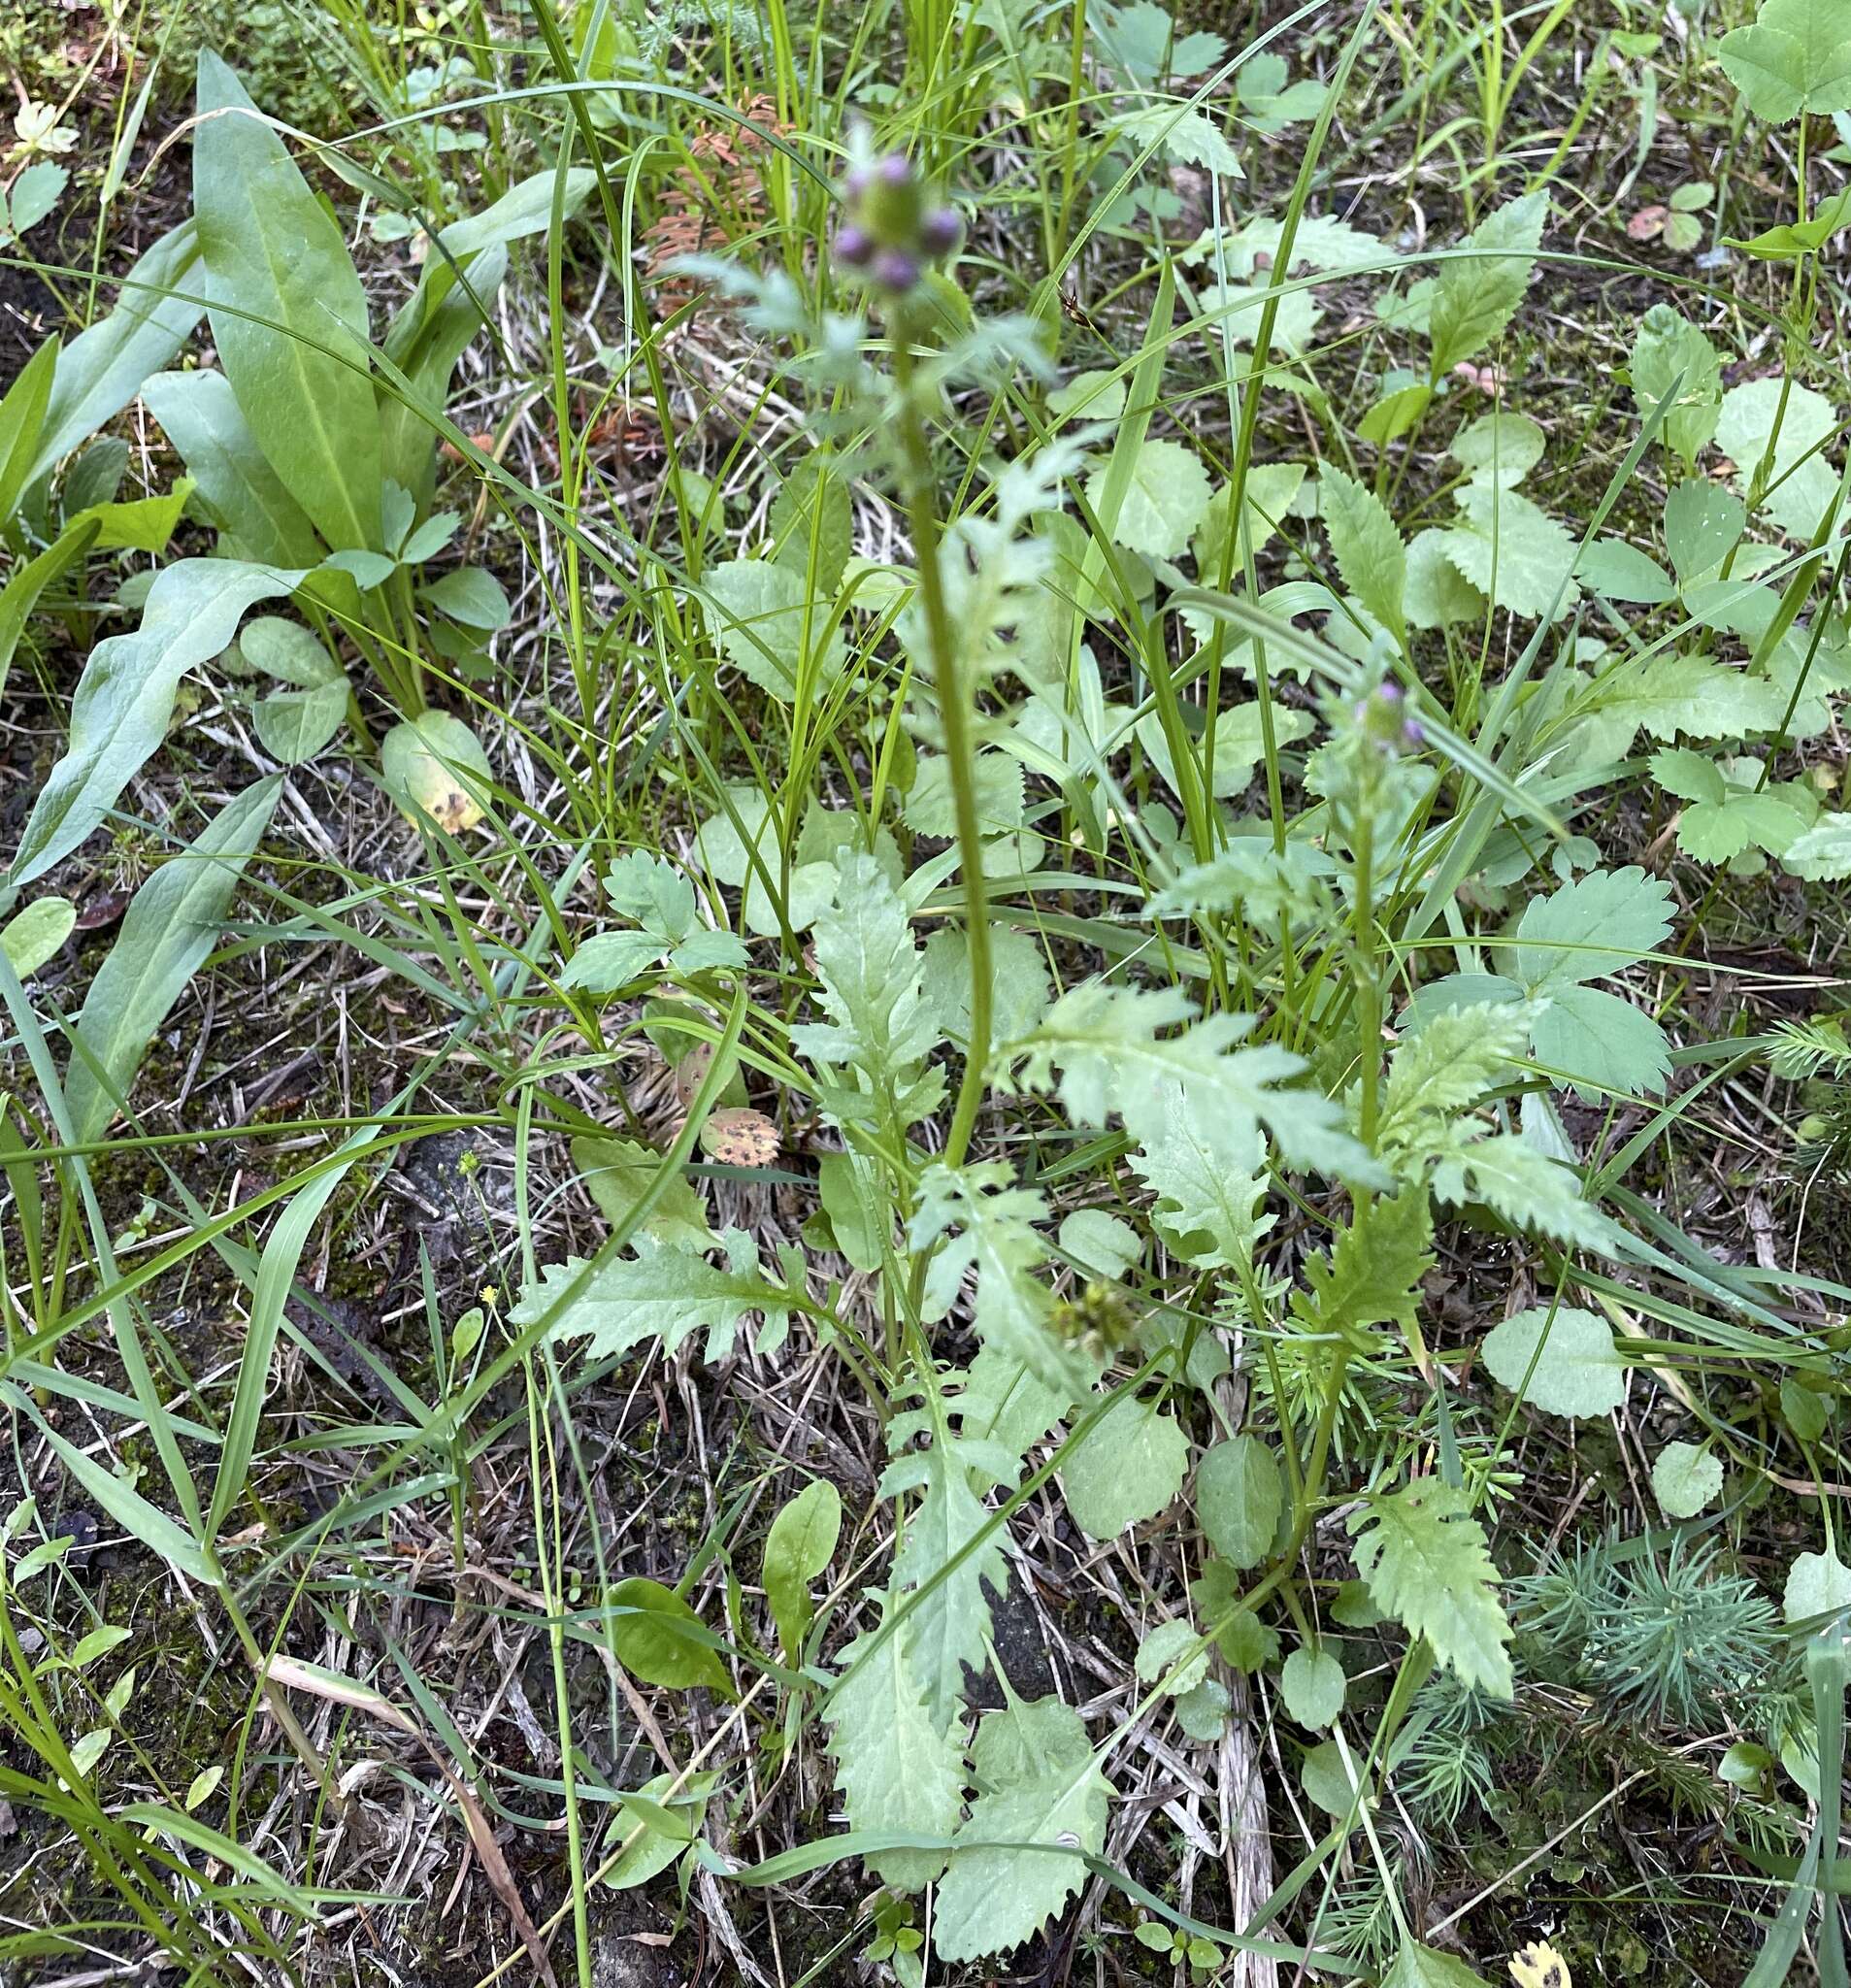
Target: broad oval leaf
x,y
1563,1361
650,1629
435,768
1238,1499
289,315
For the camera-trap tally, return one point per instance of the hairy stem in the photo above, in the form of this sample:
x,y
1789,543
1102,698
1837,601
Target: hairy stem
x,y
954,714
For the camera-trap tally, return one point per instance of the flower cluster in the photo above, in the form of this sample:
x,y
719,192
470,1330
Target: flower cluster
x,y
1382,717
891,231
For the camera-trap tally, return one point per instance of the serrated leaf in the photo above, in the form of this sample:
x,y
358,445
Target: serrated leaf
x,y
1426,1563
1772,820
1514,553
900,1771
618,1173
1272,490
997,782
1690,775
1105,1042
1476,295
1209,1183
1364,543
1372,1276
1044,1787
1164,501
1824,853
608,961
1437,594
1456,1057
872,978
1500,447
771,629
1797,422
1563,1361
663,1290
1128,1469
1599,1043
1685,1478
1526,1187
1238,1499
948,1623
811,521
1599,924
1618,571
1665,349
1187,137
990,1229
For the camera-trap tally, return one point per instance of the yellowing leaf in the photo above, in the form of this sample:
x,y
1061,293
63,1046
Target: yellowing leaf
x,y
434,767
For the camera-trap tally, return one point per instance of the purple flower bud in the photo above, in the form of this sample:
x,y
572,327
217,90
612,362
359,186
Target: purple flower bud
x,y
854,245
855,181
939,231
895,271
1414,735
896,169
1388,693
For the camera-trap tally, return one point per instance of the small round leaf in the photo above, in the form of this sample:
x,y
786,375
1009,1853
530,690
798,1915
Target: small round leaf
x,y
1560,1360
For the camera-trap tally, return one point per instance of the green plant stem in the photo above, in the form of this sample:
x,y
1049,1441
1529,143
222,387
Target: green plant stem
x,y
954,714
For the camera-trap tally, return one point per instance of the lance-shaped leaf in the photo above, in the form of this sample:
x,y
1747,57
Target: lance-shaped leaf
x,y
1425,1559
664,1290
1477,293
126,698
289,315
204,421
102,370
1044,1795
900,1772
170,926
